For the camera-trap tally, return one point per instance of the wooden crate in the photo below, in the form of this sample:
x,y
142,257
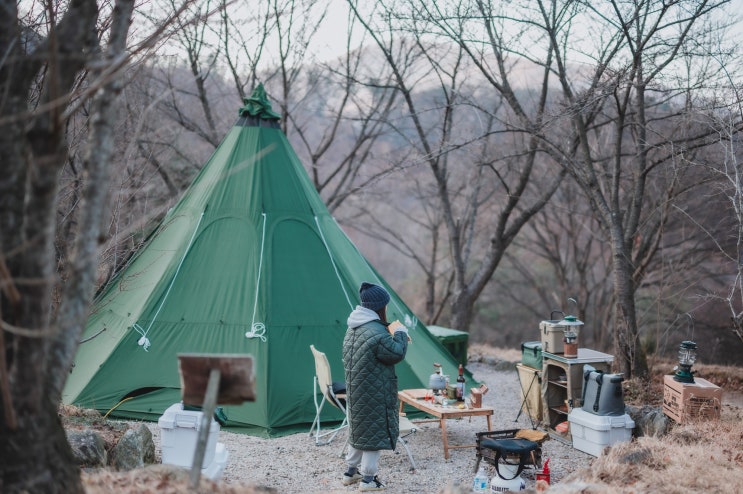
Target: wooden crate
x,y
688,401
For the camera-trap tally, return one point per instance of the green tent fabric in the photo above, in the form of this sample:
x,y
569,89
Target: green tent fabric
x,y
249,261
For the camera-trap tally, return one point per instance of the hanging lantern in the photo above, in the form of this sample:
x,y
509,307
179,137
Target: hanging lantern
x,y
687,357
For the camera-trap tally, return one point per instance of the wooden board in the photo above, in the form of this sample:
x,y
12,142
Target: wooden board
x,y
236,382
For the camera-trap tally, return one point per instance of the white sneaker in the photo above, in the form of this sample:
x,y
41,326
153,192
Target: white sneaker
x,y
374,485
351,479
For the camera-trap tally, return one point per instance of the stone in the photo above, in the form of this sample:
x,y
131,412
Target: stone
x,y
649,421
135,449
88,447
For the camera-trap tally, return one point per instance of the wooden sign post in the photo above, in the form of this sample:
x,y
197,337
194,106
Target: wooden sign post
x,y
208,379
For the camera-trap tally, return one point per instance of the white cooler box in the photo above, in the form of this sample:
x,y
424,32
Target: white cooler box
x,y
592,433
215,469
179,432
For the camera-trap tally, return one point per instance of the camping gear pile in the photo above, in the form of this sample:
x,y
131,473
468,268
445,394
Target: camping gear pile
x,y
576,397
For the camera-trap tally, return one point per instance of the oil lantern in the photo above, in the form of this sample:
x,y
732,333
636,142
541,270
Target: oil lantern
x,y
570,339
687,357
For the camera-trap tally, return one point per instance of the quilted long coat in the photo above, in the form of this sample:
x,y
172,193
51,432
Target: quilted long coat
x,y
369,355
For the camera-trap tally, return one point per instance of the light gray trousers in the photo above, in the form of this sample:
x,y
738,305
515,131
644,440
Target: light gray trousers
x,y
367,462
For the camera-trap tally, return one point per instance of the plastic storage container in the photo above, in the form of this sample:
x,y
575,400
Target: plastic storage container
x,y
552,335
531,354
602,393
179,432
216,467
592,433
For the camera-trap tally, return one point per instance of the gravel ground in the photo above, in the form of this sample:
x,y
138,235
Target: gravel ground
x,y
293,464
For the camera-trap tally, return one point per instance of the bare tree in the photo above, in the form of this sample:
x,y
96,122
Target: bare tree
x,y
560,256
614,84
42,315
727,122
483,218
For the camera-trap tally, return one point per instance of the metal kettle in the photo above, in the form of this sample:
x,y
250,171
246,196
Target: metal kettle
x,y
437,381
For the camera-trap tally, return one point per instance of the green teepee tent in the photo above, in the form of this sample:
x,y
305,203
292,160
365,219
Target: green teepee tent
x,y
249,261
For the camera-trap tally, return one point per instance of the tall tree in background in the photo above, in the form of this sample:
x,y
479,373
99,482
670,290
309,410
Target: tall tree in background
x,y
728,169
497,162
614,90
560,257
41,314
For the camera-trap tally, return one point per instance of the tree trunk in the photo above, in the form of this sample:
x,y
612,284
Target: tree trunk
x,y
462,310
36,457
629,354
38,344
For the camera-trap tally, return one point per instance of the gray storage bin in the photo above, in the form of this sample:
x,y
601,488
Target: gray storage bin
x,y
602,393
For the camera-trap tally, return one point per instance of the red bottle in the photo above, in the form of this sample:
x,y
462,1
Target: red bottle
x,y
545,474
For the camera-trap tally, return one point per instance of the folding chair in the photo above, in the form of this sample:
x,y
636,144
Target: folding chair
x,y
332,392
407,428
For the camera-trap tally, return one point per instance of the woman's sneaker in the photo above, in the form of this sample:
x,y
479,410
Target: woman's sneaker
x,y
349,479
372,485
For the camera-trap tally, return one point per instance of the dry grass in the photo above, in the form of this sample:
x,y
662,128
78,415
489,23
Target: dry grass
x,y
705,456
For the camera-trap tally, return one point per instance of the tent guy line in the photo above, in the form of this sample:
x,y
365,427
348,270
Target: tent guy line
x,y
144,342
258,330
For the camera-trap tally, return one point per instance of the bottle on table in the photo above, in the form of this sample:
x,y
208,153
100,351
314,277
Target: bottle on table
x,y
460,384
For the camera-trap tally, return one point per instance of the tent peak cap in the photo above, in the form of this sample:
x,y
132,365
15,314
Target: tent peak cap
x,y
257,105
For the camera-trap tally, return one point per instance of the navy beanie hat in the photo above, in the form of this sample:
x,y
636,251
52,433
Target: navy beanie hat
x,y
373,297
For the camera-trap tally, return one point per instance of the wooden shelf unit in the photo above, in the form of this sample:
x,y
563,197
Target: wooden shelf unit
x,y
560,395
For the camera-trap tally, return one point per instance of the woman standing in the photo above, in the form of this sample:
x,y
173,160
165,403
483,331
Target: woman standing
x,y
371,348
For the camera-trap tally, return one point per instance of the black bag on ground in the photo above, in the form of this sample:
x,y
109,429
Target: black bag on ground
x,y
516,446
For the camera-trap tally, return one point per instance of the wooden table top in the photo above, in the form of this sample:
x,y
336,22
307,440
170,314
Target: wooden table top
x,y
414,397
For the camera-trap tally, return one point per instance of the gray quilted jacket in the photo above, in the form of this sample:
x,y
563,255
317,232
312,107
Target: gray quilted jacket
x,y
369,357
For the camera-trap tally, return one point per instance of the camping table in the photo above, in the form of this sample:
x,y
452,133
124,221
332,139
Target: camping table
x,y
414,398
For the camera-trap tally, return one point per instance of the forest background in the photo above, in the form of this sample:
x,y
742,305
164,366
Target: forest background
x,y
496,161
493,173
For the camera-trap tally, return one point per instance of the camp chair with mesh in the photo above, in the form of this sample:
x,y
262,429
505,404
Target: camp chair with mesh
x,y
332,392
